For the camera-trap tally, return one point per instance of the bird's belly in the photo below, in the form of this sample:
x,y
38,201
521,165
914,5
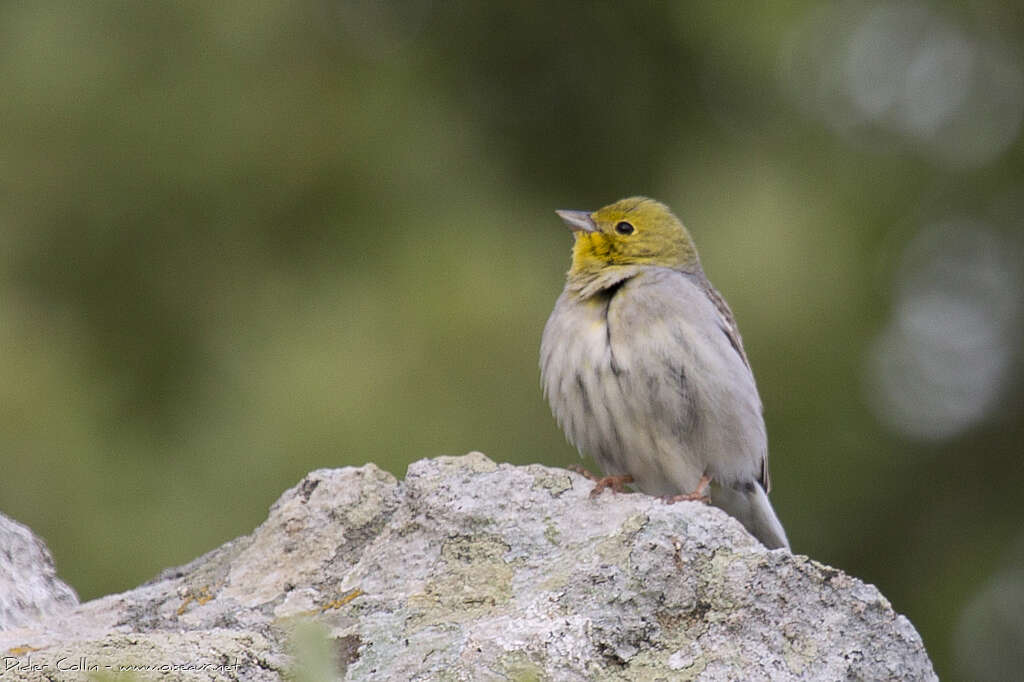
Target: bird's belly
x,y
621,412
641,403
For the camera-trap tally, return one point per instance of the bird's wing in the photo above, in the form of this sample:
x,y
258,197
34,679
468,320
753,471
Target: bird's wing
x,y
727,321
732,332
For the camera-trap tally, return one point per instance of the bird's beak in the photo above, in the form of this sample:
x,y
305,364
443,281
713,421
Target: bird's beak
x,y
578,221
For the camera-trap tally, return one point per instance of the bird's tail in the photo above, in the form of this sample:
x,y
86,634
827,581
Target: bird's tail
x,y
750,506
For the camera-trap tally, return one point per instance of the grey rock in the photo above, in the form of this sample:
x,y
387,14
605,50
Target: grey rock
x,y
29,587
469,570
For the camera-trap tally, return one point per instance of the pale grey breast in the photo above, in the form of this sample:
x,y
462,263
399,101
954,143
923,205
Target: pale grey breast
x,y
643,377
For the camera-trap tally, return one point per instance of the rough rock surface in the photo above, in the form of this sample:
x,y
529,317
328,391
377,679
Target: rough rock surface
x,y
29,586
469,570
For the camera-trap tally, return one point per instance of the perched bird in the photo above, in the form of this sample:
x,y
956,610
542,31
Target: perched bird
x,y
645,371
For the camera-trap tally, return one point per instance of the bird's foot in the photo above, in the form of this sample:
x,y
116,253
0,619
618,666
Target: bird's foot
x,y
698,495
617,484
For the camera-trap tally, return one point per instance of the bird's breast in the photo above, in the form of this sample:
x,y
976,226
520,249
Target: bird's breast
x,y
642,380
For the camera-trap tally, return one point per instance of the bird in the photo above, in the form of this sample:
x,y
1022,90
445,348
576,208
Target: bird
x,y
644,368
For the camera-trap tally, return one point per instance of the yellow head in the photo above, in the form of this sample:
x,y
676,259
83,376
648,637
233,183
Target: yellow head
x,y
630,232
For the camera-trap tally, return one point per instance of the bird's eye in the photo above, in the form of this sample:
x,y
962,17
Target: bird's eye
x,y
624,228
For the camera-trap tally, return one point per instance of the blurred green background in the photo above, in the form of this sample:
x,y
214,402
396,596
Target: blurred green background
x,y
241,241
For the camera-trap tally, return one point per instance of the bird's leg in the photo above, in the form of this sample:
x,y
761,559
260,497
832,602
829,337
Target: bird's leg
x,y
698,495
616,483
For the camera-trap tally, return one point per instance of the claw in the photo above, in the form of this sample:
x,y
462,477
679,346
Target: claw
x,y
617,484
698,495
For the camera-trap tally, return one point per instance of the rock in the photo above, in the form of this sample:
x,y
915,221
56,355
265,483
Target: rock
x,y
29,586
470,570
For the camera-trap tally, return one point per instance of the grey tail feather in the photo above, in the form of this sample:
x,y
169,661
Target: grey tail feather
x,y
750,506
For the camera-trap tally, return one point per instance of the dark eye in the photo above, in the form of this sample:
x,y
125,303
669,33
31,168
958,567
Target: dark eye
x,y
624,228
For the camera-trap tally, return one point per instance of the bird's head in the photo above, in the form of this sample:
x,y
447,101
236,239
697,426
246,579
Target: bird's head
x,y
631,232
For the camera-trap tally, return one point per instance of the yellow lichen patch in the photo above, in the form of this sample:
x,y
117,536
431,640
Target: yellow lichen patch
x,y
184,605
475,461
341,601
551,533
615,549
201,597
22,650
517,666
554,483
477,579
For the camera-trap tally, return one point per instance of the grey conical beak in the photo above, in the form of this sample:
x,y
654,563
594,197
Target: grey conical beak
x,y
578,221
